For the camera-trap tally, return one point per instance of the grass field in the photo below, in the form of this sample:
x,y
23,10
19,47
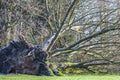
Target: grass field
x,y
70,77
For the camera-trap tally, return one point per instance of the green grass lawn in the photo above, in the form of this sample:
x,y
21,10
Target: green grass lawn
x,y
70,77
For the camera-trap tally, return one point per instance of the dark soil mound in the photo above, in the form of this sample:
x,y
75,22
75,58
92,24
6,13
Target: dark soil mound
x,y
19,57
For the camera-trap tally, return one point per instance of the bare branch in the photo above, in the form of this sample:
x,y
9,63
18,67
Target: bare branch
x,y
71,47
62,23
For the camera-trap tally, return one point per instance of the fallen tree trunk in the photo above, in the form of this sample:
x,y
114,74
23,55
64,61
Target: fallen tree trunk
x,y
20,58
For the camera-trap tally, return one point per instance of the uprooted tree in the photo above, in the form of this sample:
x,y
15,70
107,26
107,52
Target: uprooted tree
x,y
85,33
